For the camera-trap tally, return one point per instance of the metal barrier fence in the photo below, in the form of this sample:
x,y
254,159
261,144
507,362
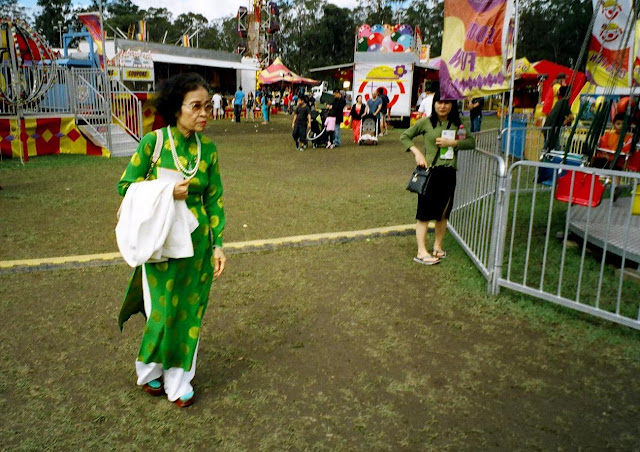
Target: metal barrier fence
x,y
560,233
476,203
568,253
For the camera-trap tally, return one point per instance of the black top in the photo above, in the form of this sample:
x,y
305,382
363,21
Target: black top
x,y
302,115
338,106
385,103
477,111
355,115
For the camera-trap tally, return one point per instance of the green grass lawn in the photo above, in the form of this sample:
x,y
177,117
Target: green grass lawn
x,y
347,347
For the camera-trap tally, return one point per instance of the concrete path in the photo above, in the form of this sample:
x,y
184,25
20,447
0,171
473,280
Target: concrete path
x,y
97,260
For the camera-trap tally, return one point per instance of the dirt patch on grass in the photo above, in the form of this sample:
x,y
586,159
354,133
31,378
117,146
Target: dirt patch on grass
x,y
342,347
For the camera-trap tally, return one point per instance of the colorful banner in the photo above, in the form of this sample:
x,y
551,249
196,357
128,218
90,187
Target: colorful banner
x,y
185,41
608,58
636,61
473,43
396,81
92,22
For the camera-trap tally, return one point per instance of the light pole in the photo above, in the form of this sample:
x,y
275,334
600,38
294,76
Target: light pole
x,y
59,28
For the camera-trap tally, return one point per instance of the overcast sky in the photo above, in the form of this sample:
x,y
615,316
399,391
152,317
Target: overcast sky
x,y
211,9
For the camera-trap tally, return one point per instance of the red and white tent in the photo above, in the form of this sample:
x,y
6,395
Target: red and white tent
x,y
278,72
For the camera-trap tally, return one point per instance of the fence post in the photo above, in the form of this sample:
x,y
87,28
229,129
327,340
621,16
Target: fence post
x,y
496,247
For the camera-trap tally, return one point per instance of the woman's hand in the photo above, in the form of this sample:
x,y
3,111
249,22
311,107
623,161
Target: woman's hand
x,y
419,156
446,142
219,260
181,190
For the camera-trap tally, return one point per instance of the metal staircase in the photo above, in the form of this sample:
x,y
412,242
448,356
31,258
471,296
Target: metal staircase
x,y
115,125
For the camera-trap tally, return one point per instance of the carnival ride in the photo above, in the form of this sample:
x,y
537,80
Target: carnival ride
x,y
26,71
258,28
579,146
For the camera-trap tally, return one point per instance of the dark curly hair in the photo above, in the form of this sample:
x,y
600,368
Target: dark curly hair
x,y
171,94
454,114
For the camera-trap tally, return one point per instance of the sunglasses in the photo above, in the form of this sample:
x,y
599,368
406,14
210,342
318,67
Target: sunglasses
x,y
196,107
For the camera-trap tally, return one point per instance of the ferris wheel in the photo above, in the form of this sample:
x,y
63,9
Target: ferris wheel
x,y
258,28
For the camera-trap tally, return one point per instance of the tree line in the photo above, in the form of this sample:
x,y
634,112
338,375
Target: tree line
x,y
316,33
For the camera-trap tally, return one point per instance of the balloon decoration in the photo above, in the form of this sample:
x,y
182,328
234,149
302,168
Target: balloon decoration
x,y
385,38
364,31
362,45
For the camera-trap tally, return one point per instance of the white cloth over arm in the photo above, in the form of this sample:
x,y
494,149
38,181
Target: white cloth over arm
x,y
152,225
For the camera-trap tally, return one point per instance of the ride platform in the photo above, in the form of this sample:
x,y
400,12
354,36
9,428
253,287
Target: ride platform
x,y
614,227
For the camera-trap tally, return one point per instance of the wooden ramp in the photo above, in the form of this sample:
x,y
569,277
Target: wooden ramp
x,y
616,228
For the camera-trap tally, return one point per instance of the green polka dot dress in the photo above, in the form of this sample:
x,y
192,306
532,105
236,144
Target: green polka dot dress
x,y
179,288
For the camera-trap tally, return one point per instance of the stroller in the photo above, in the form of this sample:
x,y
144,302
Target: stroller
x,y
368,130
317,133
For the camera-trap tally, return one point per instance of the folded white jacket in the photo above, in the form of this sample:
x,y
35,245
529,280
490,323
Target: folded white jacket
x,y
152,226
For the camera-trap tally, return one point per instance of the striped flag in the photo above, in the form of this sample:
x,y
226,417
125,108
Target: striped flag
x,y
142,30
185,41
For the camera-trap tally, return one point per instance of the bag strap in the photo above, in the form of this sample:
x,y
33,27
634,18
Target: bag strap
x,y
156,151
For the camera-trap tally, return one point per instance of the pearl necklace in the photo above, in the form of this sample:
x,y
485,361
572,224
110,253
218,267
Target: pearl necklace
x,y
188,173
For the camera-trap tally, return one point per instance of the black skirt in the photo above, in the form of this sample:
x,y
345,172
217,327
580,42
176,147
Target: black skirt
x,y
438,200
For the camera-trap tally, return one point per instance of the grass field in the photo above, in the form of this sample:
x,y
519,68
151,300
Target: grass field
x,y
348,347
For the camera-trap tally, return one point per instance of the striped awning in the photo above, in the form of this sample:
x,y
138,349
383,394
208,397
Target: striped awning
x,y
278,72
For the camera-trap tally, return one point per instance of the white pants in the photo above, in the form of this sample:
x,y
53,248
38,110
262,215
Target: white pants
x,y
177,381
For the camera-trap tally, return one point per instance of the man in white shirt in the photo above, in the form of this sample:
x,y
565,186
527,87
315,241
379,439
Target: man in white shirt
x,y
426,105
216,100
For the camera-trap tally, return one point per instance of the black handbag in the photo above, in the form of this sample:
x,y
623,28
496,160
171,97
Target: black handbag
x,y
420,178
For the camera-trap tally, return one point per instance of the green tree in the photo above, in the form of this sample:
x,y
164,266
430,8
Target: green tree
x,y
54,13
297,19
429,16
187,24
123,15
378,11
549,31
159,21
228,34
332,39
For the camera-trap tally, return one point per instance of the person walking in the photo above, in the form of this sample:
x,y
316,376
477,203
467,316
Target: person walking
x,y
238,104
475,114
173,293
358,110
440,146
265,103
374,105
338,105
301,123
250,106
216,100
330,127
384,129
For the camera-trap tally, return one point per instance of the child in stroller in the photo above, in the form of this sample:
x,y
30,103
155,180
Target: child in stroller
x,y
368,130
317,133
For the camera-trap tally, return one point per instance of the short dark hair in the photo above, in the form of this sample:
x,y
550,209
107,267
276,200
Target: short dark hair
x,y
619,117
454,114
562,91
171,94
